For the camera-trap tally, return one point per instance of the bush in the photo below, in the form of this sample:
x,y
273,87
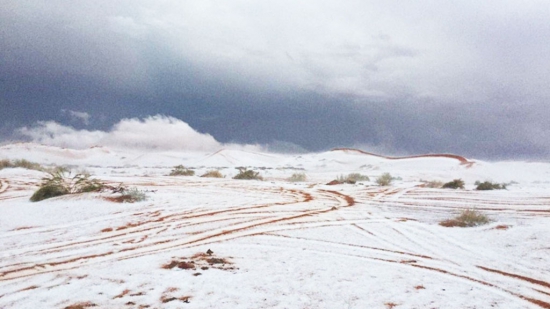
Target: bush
x,y
297,177
20,163
48,191
487,185
132,195
213,174
181,170
433,184
352,178
5,163
467,218
384,179
59,182
247,174
455,184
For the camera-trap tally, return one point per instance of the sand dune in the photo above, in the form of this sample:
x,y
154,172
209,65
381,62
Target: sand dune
x,y
275,244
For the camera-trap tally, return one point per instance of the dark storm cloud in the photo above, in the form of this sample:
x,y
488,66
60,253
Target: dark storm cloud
x,y
427,76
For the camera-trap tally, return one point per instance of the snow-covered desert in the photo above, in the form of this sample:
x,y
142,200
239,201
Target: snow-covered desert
x,y
273,243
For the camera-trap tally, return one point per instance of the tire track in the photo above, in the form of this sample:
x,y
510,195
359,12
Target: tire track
x,y
147,244
418,198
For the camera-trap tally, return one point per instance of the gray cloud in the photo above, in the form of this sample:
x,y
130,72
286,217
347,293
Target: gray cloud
x,y
467,77
366,48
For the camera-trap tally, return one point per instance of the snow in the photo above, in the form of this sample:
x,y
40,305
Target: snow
x,y
284,245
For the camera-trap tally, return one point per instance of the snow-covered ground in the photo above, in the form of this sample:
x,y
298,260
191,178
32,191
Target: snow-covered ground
x,y
275,244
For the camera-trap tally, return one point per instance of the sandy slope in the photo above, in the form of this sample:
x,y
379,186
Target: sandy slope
x,y
283,245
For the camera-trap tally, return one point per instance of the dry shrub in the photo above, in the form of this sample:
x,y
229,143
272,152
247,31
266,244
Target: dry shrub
x,y
247,174
81,305
467,218
352,178
433,184
297,177
180,170
487,185
5,163
384,179
455,184
212,174
132,195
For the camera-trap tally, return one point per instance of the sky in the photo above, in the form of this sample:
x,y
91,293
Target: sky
x,y
396,77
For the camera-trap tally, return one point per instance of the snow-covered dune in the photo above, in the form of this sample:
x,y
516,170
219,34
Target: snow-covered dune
x,y
273,244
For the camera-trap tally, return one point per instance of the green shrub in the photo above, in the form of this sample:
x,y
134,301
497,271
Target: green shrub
x,y
181,170
213,174
487,185
467,218
455,184
297,177
247,174
48,191
384,179
60,182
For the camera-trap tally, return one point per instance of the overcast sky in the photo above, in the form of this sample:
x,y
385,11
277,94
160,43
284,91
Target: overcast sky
x,y
399,77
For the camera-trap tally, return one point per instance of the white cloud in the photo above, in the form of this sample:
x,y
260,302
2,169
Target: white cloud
x,y
152,133
77,116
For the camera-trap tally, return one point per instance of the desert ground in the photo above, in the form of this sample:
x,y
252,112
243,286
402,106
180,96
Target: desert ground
x,y
273,243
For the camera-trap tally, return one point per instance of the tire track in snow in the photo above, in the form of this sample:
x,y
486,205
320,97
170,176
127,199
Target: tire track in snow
x,y
414,233
150,246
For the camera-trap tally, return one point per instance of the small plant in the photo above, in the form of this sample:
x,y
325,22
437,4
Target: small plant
x,y
433,184
180,170
384,179
455,184
487,185
297,177
247,174
132,195
467,218
48,191
5,163
213,174
352,178
60,182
